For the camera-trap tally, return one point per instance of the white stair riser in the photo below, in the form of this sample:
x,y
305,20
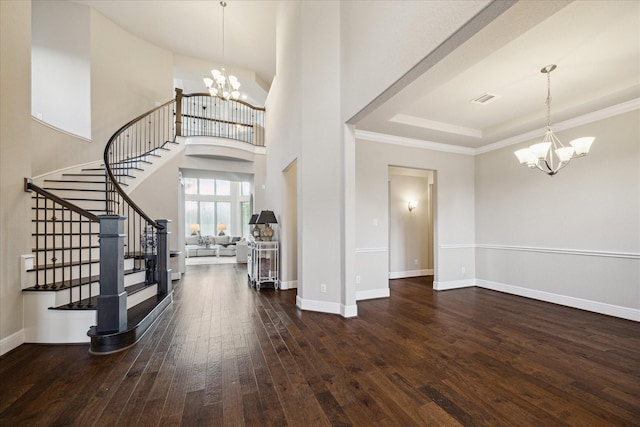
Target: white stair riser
x,y
42,325
93,184
66,296
74,272
141,296
45,326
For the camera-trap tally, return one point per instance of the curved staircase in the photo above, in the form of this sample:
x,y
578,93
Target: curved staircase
x,y
99,271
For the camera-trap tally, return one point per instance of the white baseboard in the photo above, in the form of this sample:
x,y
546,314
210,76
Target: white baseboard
x,y
410,273
454,284
321,306
12,341
372,294
349,310
583,304
288,284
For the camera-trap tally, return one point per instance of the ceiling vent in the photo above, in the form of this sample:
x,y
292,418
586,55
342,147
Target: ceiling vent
x,y
485,99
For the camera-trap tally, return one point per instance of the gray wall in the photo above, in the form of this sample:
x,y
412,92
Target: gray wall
x,y
564,238
454,225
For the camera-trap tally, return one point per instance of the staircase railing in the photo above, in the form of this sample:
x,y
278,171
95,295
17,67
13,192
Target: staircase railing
x,y
127,151
200,114
65,237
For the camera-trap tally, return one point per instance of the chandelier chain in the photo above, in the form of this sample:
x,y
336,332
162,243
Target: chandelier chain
x,y
548,102
224,5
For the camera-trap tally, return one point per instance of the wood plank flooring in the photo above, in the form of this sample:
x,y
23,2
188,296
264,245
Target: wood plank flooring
x,y
224,354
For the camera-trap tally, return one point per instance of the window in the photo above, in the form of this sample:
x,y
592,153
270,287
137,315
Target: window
x,y
245,215
245,188
190,186
223,188
212,202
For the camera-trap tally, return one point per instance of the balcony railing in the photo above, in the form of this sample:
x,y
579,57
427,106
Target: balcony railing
x,y
200,114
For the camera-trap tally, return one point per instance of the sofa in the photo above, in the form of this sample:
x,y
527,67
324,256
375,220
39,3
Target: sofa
x,y
224,245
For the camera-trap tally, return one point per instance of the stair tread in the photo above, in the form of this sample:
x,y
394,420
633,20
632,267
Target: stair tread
x,y
59,286
92,303
101,190
139,319
75,181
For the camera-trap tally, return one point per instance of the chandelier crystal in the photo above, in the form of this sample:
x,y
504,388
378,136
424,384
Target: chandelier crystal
x,y
551,155
220,83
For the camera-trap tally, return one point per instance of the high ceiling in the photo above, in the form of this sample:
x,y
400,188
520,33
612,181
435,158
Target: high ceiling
x,y
595,44
193,28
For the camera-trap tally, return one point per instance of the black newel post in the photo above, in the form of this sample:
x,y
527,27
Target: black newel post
x,y
164,269
178,112
112,301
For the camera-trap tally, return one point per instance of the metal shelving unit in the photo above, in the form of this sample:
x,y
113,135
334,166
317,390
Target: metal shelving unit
x,y
263,263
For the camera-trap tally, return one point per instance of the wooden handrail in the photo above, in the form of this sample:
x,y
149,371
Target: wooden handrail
x,y
30,186
112,177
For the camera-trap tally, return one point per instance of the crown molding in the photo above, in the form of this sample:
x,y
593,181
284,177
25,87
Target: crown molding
x,y
594,116
414,143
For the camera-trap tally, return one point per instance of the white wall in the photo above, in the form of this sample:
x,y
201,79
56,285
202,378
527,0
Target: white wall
x,y
15,164
592,206
454,217
129,77
60,69
382,40
303,123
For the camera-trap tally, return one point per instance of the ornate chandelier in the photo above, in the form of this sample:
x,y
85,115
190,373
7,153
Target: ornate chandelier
x,y
551,155
221,84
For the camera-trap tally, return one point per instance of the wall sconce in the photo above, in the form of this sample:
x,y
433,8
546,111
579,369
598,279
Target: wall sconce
x,y
412,205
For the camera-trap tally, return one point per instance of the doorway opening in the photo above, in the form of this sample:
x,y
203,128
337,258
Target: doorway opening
x,y
411,223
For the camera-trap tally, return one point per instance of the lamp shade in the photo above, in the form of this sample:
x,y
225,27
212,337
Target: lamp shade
x,y
222,227
582,145
254,219
266,217
195,228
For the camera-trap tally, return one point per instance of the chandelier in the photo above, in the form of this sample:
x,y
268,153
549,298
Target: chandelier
x,y
551,155
220,83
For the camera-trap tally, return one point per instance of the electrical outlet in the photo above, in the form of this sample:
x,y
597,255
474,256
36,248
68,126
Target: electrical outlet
x,y
357,279
463,270
323,287
375,221
415,262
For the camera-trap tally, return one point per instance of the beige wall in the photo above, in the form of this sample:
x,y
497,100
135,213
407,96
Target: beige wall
x,y
534,222
15,163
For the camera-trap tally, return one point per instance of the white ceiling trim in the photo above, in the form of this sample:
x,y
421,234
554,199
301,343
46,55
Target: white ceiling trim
x,y
594,116
406,119
414,143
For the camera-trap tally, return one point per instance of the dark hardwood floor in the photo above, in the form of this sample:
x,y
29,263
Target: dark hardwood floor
x,y
224,354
